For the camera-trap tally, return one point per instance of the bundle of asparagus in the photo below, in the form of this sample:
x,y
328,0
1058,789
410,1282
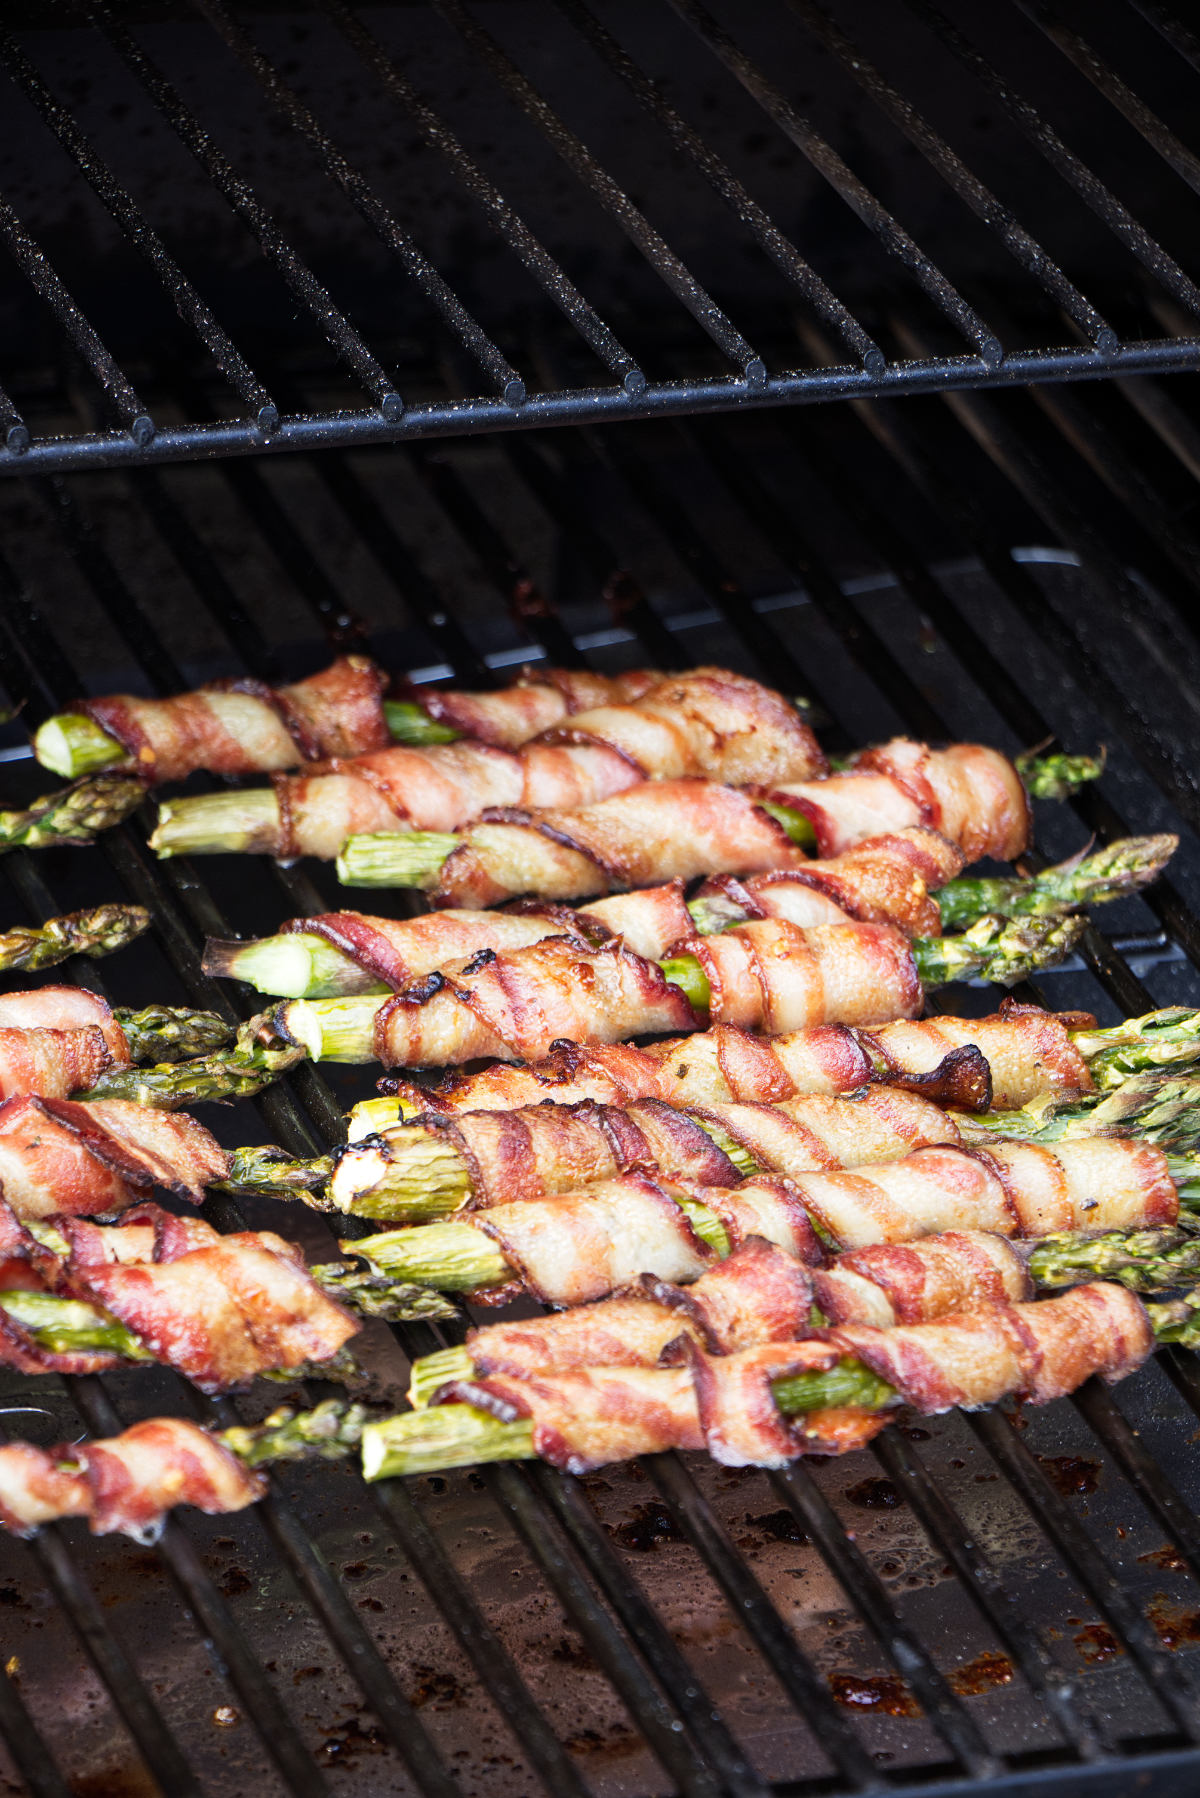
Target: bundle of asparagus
x,y
245,727
765,975
761,1406
906,878
708,723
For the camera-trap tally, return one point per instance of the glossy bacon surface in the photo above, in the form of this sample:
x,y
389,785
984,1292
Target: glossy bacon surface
x,y
884,880
556,1148
127,1482
58,1155
57,1040
246,727
218,1309
971,794
718,728
538,701
774,976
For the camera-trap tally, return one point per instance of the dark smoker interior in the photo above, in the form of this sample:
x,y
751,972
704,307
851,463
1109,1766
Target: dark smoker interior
x,y
849,348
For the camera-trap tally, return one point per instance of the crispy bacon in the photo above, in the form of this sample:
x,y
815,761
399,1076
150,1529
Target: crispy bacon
x,y
246,727
672,829
971,794
57,1040
771,975
219,1309
540,699
590,1419
910,1283
884,880
519,1004
58,1155
718,732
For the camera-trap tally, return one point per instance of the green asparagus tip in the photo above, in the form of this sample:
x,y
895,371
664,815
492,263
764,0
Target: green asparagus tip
x,y
375,1295
71,744
411,858
329,1432
74,815
1158,1039
101,930
1090,878
1058,776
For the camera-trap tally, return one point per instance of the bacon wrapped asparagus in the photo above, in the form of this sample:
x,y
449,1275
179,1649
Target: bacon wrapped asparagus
x,y
762,1406
905,879
765,975
246,727
709,723
435,1166
970,794
80,1297
60,1156
567,1248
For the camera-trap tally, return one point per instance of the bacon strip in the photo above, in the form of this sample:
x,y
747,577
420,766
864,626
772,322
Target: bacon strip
x,y
520,1004
971,794
558,1148
219,1309
884,880
540,699
127,1482
57,1040
57,1155
246,727
773,976
718,731
587,1420
912,1283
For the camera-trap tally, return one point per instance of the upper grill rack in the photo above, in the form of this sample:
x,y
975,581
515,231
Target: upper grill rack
x,y
994,195
880,666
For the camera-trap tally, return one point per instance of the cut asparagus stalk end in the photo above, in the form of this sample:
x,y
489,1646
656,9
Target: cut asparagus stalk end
x,y
432,1372
439,1438
296,965
404,858
410,723
413,1175
330,1029
72,744
372,1117
448,1257
242,821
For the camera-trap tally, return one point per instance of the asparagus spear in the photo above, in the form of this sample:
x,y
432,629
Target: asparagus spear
x,y
172,1032
993,949
73,815
1058,776
95,932
71,743
302,965
236,1073
440,1437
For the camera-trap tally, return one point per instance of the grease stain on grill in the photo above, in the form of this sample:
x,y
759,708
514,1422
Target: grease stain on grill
x,y
648,1526
875,1495
1166,1558
234,1581
1071,1475
1175,1628
350,1740
987,1671
780,1526
885,1693
440,1690
1096,1644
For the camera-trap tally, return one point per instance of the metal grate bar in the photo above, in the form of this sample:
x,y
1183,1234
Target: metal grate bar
x,y
907,1654
504,220
275,247
624,594
1177,34
30,1755
964,182
548,1757
775,1641
984,1586
363,196
1102,201
596,178
770,239
1088,1567
1105,79
1095,1403
527,605
33,263
12,426
825,159
120,204
653,1640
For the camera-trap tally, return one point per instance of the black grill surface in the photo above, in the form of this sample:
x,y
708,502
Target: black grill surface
x,y
474,217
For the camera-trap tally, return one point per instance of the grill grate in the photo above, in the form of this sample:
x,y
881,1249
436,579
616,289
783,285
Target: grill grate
x,y
692,1729
93,268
